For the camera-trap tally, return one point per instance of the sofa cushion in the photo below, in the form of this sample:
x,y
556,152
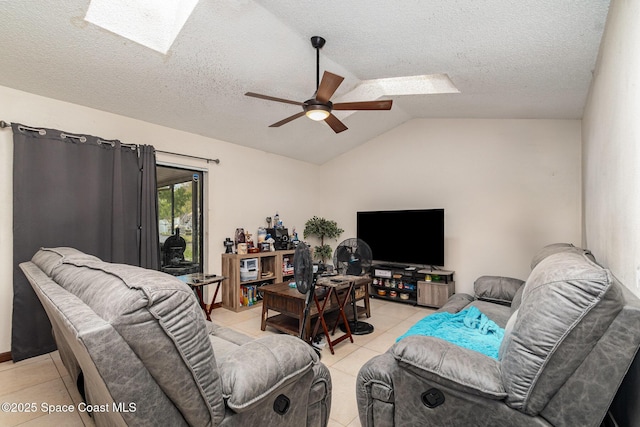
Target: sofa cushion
x,y
567,305
225,340
497,289
283,359
159,318
497,312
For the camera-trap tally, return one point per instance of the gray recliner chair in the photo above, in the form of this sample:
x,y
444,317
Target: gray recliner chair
x,y
136,341
571,335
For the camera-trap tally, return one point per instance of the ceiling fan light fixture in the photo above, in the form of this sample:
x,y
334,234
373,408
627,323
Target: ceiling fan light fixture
x,y
317,112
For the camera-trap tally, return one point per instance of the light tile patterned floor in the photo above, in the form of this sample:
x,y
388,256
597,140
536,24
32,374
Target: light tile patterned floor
x,y
44,380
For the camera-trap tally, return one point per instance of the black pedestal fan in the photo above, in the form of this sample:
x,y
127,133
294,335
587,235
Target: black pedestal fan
x,y
353,257
305,279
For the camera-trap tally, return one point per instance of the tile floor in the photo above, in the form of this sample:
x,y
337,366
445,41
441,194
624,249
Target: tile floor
x,y
44,379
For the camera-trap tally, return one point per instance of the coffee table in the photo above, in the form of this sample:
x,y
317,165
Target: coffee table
x,y
289,304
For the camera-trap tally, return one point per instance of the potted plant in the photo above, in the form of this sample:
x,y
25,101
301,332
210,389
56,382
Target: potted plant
x,y
322,228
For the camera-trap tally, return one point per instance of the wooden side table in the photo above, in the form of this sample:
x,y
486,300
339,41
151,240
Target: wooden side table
x,y
197,281
333,285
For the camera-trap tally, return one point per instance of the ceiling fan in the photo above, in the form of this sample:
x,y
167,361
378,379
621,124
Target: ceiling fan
x,y
319,107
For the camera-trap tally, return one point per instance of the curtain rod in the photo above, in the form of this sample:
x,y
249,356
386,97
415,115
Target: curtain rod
x,y
4,124
216,161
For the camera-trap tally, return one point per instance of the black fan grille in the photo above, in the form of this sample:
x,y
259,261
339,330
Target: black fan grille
x,y
302,268
353,257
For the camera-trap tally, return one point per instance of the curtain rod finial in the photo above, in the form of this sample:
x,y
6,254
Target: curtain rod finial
x,y
4,124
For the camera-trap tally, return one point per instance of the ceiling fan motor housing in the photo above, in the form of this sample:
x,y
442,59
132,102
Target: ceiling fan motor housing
x,y
312,105
317,42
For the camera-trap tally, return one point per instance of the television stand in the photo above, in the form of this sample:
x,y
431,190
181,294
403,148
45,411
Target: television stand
x,y
392,266
429,287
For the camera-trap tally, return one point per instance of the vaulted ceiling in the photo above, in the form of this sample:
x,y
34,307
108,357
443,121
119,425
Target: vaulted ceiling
x,y
508,59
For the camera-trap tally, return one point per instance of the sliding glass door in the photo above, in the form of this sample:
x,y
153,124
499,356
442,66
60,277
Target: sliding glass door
x,y
180,207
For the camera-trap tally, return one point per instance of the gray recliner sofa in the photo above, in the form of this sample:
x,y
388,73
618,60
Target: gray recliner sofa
x,y
137,344
571,333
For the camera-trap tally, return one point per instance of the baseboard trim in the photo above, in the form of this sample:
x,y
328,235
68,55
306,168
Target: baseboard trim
x,y
5,357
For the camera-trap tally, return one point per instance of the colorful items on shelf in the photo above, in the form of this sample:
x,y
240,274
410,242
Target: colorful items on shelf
x,y
250,295
287,266
394,283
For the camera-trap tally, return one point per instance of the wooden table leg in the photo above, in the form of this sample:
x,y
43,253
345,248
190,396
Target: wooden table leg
x,y
321,320
265,312
367,302
213,301
341,314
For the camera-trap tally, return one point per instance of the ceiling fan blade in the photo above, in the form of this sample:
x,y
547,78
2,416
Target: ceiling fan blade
x,y
273,98
328,86
366,105
287,120
335,124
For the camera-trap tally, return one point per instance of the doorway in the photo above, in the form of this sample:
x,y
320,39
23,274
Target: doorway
x,y
180,207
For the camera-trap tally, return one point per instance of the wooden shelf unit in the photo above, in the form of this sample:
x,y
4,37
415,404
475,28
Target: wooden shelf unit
x,y
232,287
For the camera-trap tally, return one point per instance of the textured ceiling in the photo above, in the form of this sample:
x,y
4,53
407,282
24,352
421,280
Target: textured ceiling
x,y
508,58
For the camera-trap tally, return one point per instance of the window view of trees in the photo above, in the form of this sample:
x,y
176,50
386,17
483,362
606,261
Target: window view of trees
x,y
175,211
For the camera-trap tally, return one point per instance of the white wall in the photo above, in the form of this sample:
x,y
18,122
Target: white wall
x,y
508,187
611,138
247,186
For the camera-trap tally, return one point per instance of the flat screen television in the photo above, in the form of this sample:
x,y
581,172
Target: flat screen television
x,y
404,236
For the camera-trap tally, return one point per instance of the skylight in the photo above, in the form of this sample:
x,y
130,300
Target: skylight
x,y
151,23
428,84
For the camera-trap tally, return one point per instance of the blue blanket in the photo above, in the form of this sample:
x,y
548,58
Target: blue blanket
x,y
469,328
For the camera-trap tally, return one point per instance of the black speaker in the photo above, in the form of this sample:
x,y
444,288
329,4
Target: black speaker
x,y
281,237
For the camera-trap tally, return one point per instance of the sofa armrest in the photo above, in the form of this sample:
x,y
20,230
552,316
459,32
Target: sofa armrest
x,y
497,289
260,368
450,365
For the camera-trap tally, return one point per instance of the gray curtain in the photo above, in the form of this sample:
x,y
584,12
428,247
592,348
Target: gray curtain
x,y
84,193
149,244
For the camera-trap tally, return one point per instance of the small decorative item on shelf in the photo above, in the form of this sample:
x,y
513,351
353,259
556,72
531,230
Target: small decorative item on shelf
x,y
228,244
404,296
239,236
393,294
242,248
382,292
294,238
271,242
248,239
262,235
